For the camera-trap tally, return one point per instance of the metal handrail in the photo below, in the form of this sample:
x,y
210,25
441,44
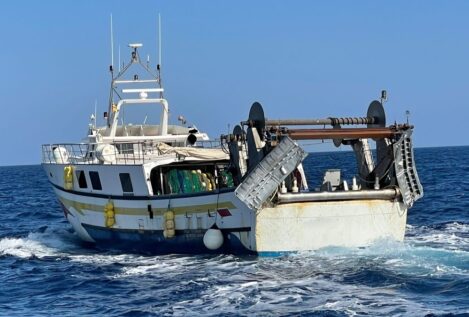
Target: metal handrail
x,y
122,153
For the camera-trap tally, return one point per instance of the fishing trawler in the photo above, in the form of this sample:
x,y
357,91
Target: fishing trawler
x,y
168,188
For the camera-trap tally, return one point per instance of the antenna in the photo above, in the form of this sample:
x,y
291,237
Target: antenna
x,y
95,111
112,45
158,66
119,53
384,96
159,39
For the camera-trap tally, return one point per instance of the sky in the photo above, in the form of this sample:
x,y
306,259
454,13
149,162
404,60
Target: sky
x,y
299,59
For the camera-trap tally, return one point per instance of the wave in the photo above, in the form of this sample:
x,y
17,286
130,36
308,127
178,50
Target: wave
x,y
433,250
293,296
45,243
386,278
449,236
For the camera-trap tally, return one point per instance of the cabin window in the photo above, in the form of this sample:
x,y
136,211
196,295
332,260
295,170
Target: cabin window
x,y
126,183
190,179
186,181
81,179
225,178
95,181
156,179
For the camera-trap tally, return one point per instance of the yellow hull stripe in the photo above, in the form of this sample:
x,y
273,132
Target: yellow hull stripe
x,y
80,207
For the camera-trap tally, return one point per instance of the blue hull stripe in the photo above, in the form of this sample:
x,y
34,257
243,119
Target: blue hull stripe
x,y
185,241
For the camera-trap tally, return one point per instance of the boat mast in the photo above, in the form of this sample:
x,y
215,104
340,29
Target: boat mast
x,y
115,98
112,46
159,39
111,69
158,66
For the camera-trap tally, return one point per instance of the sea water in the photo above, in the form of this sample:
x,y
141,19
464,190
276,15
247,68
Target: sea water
x,y
45,269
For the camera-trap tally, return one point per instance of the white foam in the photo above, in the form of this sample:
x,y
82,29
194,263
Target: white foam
x,y
282,297
101,259
149,269
25,248
48,243
452,236
458,227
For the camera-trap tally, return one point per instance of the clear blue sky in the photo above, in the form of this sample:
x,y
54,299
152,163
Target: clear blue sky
x,y
298,58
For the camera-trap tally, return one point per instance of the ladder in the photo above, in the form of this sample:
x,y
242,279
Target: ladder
x,y
262,181
406,172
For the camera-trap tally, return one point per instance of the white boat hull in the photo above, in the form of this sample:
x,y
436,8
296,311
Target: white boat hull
x,y
315,225
285,228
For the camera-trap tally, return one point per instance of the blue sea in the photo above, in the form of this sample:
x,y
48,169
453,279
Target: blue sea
x,y
45,270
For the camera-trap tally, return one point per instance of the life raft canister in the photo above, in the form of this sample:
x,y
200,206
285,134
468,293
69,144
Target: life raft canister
x,y
109,214
60,155
68,177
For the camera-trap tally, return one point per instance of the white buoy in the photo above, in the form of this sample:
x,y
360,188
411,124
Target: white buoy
x,y
345,185
213,239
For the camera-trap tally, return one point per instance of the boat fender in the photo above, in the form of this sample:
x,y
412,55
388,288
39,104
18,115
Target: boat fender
x,y
203,184
169,225
68,177
213,238
109,214
212,181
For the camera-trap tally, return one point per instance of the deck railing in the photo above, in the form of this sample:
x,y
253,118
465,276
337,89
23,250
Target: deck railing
x,y
107,153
